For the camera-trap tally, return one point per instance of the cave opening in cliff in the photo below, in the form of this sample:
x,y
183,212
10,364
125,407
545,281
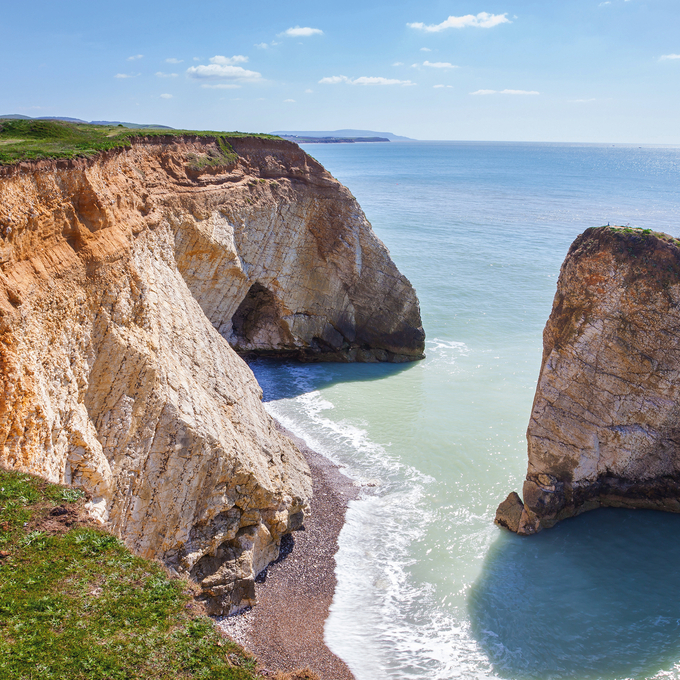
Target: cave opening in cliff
x,y
257,322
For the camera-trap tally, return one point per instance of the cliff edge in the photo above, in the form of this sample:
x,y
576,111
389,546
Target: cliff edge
x,y
125,278
605,423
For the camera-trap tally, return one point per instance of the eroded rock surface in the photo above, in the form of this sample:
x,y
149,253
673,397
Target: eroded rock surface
x,y
121,280
605,423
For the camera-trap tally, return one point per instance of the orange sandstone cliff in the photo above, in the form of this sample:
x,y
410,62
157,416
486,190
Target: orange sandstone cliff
x,y
125,282
605,423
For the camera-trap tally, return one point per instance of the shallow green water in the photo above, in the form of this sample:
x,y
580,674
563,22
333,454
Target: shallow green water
x,y
428,587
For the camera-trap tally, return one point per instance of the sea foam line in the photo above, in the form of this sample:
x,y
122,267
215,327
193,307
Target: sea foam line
x,y
367,626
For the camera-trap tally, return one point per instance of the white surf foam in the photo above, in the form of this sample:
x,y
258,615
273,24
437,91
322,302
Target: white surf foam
x,y
385,622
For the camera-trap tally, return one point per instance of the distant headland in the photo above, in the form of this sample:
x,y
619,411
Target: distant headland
x,y
343,135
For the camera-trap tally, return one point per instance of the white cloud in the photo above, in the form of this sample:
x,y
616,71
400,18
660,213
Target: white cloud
x,y
228,61
602,4
292,101
332,80
302,32
669,56
309,91
505,92
220,86
166,96
398,63
223,68
126,75
364,80
160,74
438,64
438,86
482,20
425,49
262,46
172,60
134,57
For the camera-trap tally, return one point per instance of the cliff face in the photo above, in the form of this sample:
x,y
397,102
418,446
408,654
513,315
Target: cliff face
x,y
121,281
605,424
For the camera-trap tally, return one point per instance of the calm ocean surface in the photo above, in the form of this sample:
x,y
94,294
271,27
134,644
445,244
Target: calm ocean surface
x,y
428,587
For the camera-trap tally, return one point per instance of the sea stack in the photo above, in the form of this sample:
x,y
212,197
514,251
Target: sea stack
x,y
605,423
127,280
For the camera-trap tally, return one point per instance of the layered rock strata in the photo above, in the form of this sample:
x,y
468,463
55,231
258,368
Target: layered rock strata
x,y
605,423
124,278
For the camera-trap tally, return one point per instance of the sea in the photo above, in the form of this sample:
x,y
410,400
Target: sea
x,y
428,587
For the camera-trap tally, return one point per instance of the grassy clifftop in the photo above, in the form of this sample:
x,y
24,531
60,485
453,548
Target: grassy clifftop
x,y
35,139
76,604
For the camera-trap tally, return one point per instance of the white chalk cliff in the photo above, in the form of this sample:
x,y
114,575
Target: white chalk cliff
x,y
123,281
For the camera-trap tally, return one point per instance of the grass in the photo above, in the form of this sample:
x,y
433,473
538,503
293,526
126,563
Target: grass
x,y
639,231
22,140
75,604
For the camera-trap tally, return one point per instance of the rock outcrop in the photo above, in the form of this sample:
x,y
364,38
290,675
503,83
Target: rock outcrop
x,y
605,423
124,278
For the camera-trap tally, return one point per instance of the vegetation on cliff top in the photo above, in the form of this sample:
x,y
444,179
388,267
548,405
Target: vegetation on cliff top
x,y
76,604
36,139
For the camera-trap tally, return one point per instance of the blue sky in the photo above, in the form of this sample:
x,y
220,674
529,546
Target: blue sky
x,y
517,70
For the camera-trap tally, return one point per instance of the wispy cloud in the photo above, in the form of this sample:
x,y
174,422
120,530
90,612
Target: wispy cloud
x,y
602,4
172,60
134,57
166,96
664,57
236,59
224,68
398,63
582,101
425,49
308,91
481,20
220,86
262,46
160,74
436,87
289,101
126,75
302,32
364,80
505,92
438,64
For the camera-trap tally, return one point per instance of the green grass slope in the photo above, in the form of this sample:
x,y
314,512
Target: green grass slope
x,y
76,604
36,139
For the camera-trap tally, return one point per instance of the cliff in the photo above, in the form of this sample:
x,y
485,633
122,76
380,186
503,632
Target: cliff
x,y
605,423
123,279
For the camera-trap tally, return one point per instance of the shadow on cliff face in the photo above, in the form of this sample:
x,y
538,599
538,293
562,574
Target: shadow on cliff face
x,y
289,379
595,597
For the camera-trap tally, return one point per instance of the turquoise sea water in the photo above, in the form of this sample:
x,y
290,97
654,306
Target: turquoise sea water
x,y
428,587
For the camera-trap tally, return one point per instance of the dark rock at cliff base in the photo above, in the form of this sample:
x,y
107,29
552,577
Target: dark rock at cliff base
x,y
509,512
605,423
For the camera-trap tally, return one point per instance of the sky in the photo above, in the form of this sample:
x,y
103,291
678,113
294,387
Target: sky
x,y
496,70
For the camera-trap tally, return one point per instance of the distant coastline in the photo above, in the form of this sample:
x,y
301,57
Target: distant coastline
x,y
332,140
346,133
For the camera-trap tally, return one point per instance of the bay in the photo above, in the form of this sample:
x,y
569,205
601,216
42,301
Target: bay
x,y
428,587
